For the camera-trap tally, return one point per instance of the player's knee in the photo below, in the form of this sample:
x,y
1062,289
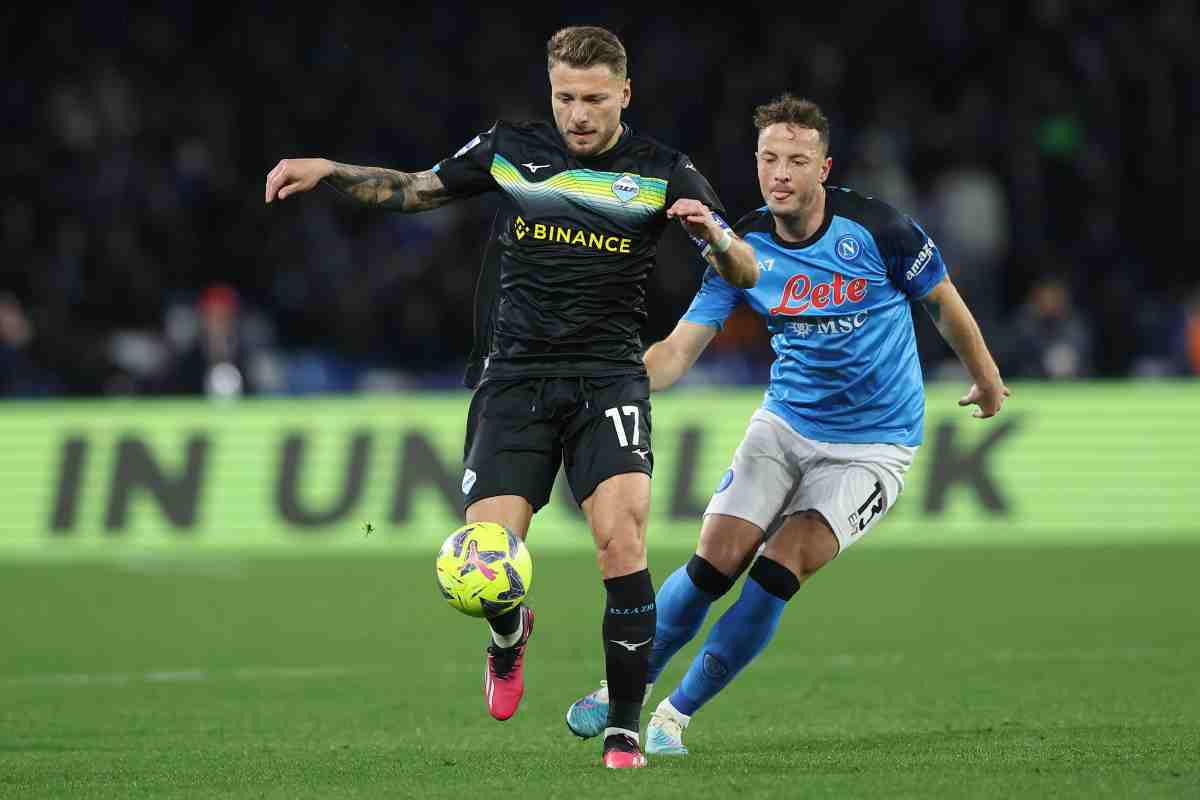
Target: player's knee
x,y
620,541
816,545
620,557
728,544
804,544
707,577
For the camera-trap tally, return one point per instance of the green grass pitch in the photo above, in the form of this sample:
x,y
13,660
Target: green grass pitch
x,y
897,672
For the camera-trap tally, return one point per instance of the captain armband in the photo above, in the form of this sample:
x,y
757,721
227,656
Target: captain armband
x,y
722,244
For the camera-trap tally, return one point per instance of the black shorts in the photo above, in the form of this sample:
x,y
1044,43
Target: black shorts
x,y
519,432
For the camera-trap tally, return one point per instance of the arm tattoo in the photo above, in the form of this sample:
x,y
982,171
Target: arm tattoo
x,y
389,188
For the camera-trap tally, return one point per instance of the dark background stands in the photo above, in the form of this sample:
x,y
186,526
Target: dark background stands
x,y
1047,146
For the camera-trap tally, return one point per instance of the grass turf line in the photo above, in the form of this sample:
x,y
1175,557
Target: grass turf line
x,y
966,673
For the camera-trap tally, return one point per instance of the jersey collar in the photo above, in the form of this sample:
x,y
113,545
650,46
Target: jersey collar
x,y
616,150
826,220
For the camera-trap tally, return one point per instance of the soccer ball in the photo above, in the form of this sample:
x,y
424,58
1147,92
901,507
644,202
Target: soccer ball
x,y
484,569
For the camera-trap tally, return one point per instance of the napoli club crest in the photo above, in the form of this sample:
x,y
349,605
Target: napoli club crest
x,y
626,188
847,248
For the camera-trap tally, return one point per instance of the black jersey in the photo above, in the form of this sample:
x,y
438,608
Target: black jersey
x,y
562,291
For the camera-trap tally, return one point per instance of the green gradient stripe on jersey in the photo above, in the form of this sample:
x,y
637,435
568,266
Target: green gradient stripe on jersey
x,y
590,188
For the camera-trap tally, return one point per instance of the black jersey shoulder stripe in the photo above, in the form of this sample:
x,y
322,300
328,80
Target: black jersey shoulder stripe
x,y
644,143
894,232
878,217
758,220
541,134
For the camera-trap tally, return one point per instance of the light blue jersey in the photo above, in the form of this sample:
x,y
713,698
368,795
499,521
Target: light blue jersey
x,y
837,306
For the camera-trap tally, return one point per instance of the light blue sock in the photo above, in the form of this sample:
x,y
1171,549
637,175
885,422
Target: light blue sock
x,y
681,611
739,635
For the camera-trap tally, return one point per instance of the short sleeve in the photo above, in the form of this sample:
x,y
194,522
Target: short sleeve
x,y
914,262
715,301
469,171
687,183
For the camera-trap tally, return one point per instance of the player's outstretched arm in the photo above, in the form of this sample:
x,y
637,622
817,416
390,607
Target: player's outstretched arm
x,y
370,186
667,361
958,327
731,256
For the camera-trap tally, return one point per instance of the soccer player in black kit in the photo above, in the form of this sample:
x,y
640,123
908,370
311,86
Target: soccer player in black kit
x,y
557,367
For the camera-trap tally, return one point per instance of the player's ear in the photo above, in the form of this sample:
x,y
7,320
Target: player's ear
x,y
825,168
626,94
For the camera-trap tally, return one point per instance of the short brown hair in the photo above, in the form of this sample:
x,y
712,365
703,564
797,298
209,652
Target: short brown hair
x,y
584,46
792,110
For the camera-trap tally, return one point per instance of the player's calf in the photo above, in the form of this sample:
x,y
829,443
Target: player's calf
x,y
616,512
682,603
727,545
738,636
628,635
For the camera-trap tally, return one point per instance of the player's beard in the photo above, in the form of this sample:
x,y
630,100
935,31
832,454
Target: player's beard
x,y
807,200
800,204
598,141
795,216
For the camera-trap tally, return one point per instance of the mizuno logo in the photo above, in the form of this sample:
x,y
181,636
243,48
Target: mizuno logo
x,y
632,647
643,452
532,167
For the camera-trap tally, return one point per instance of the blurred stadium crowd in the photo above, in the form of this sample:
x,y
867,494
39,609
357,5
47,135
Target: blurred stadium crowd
x,y
1052,148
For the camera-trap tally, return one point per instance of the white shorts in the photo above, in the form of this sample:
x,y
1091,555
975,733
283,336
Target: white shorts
x,y
777,472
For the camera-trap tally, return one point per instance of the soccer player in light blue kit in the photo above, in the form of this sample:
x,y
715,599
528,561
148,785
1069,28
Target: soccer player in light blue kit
x,y
824,458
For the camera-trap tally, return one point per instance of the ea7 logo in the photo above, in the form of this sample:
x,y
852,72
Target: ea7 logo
x,y
766,264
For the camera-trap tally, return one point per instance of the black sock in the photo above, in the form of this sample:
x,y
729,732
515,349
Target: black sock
x,y
628,632
775,578
506,624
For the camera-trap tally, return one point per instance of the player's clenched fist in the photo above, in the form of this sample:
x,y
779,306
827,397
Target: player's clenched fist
x,y
696,217
293,175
